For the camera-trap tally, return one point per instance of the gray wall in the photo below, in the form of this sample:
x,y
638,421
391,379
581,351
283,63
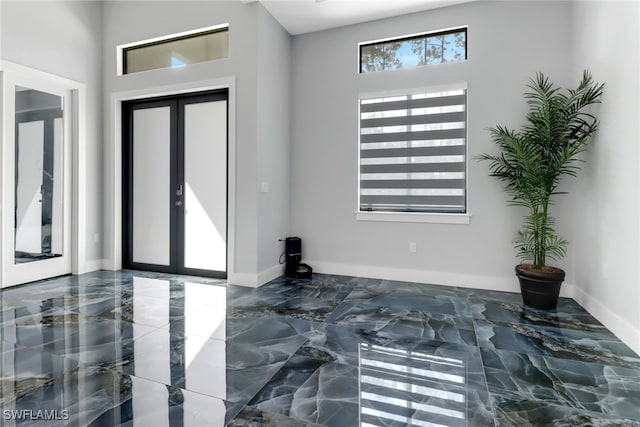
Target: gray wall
x,y
607,246
258,59
64,38
506,46
273,136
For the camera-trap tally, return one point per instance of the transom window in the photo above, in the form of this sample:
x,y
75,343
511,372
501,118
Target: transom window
x,y
413,152
413,51
176,50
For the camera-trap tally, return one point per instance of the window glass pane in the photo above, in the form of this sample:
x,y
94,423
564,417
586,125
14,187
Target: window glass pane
x,y
415,51
177,52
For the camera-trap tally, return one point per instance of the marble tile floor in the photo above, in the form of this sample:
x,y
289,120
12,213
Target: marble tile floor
x,y
134,348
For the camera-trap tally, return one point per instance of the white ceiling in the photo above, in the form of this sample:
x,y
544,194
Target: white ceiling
x,y
306,16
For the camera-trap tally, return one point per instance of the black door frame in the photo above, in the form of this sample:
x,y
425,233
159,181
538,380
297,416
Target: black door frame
x,y
176,103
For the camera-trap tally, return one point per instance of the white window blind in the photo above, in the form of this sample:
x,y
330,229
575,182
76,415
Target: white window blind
x,y
413,152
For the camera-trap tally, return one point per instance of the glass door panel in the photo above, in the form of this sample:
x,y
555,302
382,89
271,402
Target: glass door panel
x,y
29,163
205,186
151,186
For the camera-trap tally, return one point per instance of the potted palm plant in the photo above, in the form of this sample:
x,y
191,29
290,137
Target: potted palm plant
x,y
531,163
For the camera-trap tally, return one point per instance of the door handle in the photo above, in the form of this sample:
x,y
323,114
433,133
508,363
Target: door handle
x,y
179,194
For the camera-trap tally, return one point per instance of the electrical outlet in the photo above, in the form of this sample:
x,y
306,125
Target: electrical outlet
x,y
413,248
96,238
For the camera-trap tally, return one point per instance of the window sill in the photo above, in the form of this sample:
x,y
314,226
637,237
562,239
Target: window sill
x,y
433,218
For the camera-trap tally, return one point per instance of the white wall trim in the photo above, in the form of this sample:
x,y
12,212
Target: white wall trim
x,y
93,265
166,38
491,283
627,332
80,264
424,217
256,280
113,169
270,273
243,279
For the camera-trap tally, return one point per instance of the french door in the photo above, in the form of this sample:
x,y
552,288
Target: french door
x,y
175,184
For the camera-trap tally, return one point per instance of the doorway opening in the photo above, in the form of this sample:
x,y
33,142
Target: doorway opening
x,y
175,183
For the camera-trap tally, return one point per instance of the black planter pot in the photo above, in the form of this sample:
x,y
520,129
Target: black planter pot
x,y
540,289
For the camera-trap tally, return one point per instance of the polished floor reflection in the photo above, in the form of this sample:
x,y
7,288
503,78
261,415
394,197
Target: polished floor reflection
x,y
146,349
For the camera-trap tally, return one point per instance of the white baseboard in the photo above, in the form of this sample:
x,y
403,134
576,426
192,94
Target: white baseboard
x,y
92,265
627,332
270,273
243,279
491,283
255,280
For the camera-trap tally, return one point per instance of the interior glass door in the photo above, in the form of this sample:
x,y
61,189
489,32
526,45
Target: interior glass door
x,y
36,197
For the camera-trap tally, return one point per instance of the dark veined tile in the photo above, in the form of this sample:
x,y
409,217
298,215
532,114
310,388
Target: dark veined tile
x,y
256,304
249,302
306,308
586,386
190,362
59,292
253,417
245,378
256,349
508,312
367,290
312,391
565,305
102,343
333,350
342,343
434,326
391,387
96,396
261,331
232,370
25,369
57,328
170,407
532,413
321,286
604,349
139,309
443,304
414,387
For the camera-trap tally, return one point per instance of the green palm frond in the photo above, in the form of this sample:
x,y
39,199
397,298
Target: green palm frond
x,y
533,159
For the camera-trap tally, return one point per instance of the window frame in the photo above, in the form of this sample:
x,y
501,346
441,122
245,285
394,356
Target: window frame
x,y
401,39
413,216
122,50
